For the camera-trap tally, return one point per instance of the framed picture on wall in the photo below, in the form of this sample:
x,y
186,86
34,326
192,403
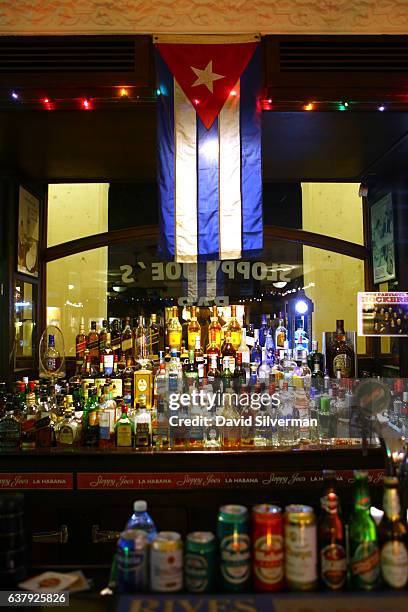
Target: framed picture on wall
x,y
382,237
28,233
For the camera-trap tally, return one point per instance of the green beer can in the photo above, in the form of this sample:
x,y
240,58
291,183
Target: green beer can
x,y
200,562
234,543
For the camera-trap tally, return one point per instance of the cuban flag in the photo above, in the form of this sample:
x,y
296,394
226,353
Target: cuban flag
x,y
209,147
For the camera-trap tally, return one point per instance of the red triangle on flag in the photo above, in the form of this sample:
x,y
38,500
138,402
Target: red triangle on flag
x,y
207,73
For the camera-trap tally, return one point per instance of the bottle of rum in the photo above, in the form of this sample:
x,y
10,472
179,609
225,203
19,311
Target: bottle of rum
x,y
340,354
194,329
234,328
174,331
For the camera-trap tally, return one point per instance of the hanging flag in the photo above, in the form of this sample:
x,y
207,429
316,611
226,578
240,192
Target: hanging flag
x,y
209,147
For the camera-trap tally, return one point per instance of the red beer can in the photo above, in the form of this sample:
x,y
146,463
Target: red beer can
x,y
268,548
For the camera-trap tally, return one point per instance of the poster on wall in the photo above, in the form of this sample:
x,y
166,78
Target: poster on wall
x,y
382,237
28,233
383,313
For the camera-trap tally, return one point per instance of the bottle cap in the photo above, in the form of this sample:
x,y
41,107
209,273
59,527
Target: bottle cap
x,y
140,505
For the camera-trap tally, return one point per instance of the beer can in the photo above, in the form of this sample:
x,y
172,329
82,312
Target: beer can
x,y
233,537
300,548
200,562
267,548
132,561
166,562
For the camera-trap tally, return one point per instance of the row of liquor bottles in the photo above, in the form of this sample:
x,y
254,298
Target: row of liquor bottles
x,y
144,344
200,416
274,550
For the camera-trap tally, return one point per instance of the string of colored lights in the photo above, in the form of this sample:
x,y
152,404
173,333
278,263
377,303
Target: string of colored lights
x,y
131,94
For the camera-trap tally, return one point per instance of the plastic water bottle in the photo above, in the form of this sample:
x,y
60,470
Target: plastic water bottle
x,y
141,519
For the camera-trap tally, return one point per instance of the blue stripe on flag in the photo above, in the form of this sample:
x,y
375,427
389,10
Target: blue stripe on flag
x,y
165,166
207,217
251,166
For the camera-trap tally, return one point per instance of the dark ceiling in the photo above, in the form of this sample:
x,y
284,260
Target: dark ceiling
x,y
120,145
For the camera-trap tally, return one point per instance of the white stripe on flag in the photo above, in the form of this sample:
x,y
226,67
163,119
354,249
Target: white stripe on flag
x,y
211,275
191,274
185,177
230,214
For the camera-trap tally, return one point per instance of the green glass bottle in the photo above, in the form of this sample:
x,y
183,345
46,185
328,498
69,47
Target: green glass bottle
x,y
90,420
364,551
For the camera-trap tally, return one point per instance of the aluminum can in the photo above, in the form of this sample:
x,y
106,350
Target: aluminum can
x,y
166,562
132,561
200,562
234,543
267,548
300,548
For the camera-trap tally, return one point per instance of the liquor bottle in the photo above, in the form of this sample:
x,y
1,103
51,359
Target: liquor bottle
x,y
174,372
154,339
124,430
301,339
228,350
256,352
90,420
143,425
160,427
116,379
191,371
141,342
215,328
244,349
263,436
174,331
239,376
196,432
127,339
102,335
116,337
315,357
287,431
199,358
29,420
212,432
263,330
227,374
93,344
194,329
80,346
364,553
230,430
66,432
340,355
213,346
108,357
331,536
264,369
269,347
52,358
10,429
143,387
234,328
107,419
317,377
281,334
213,374
184,356
392,534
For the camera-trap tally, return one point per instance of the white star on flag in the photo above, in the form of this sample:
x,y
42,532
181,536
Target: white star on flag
x,y
206,77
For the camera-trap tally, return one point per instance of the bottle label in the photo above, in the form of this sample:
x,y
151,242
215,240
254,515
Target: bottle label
x,y
268,559
127,345
196,573
329,503
235,338
392,506
365,564
93,418
229,362
175,339
108,363
66,435
235,559
116,388
142,385
80,347
342,362
280,339
394,564
301,554
333,566
123,435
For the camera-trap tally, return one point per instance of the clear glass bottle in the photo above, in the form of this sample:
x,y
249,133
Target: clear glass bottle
x,y
256,352
264,369
287,431
141,342
281,334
